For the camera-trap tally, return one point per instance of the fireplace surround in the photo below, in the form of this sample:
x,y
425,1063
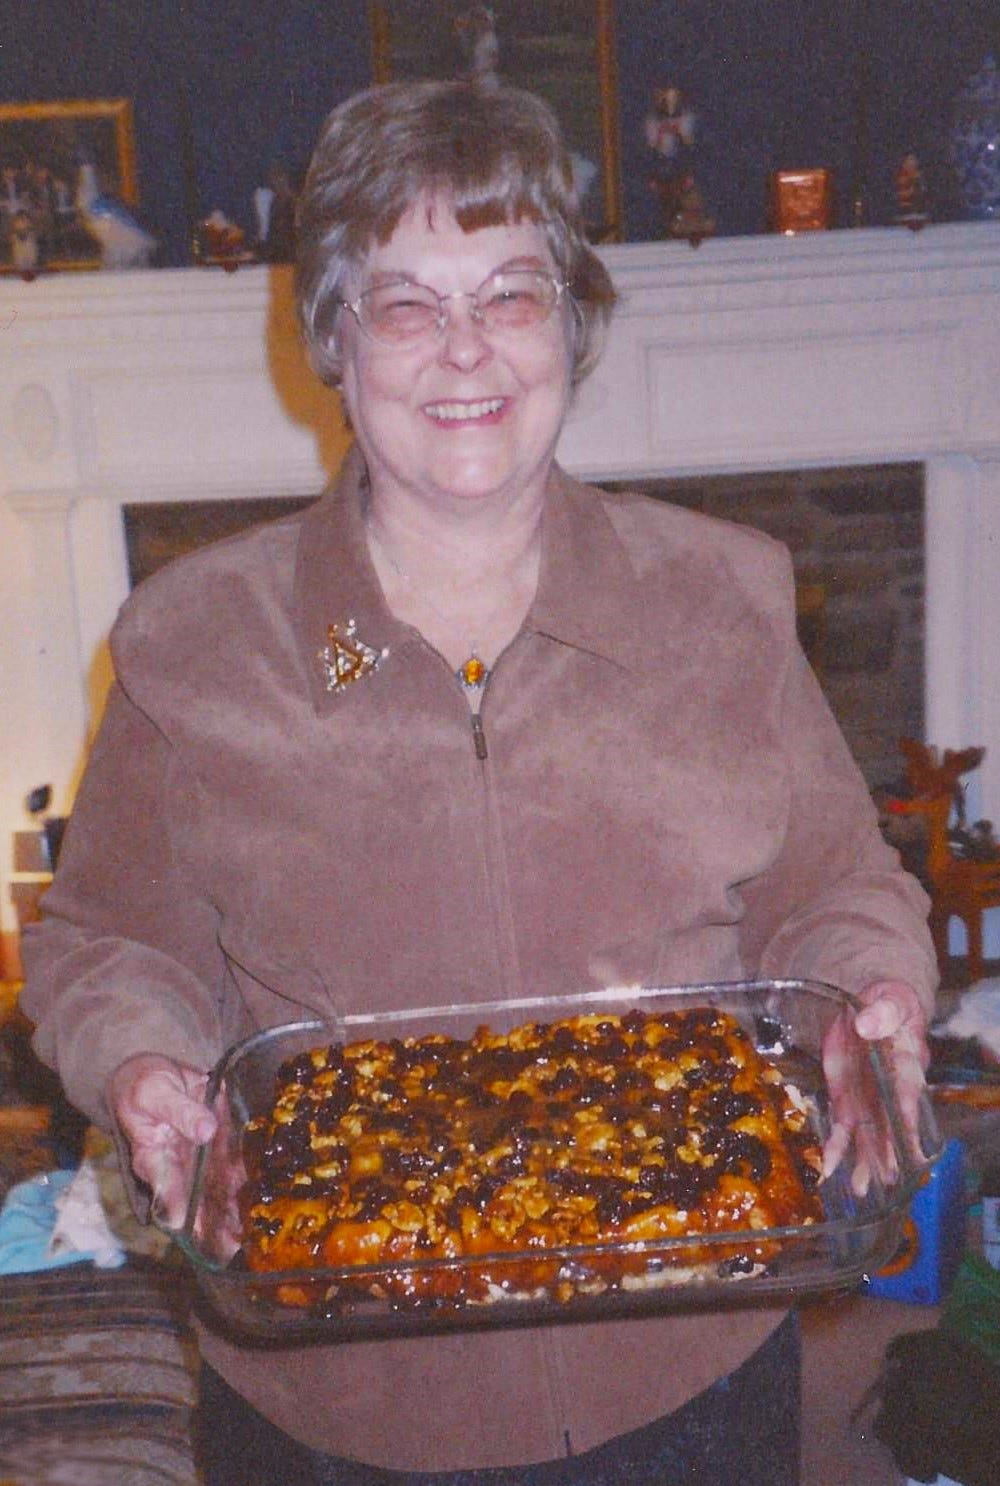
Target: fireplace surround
x,y
839,349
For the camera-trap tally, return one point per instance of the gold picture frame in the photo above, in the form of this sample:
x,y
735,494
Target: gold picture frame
x,y
41,147
563,50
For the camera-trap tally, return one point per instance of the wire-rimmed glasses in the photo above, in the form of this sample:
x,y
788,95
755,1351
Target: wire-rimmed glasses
x,y
402,313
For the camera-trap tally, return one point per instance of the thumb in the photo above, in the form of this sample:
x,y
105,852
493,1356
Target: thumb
x,y
195,1122
890,1006
883,1018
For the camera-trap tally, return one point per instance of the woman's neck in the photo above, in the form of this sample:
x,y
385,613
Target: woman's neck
x,y
465,582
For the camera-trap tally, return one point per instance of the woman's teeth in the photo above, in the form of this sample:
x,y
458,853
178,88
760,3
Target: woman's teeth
x,y
456,411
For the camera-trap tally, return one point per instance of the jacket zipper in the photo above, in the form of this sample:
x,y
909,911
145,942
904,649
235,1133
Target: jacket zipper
x,y
550,1356
479,736
494,854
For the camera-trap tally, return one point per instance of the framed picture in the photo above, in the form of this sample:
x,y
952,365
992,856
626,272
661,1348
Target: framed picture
x,y
48,153
563,50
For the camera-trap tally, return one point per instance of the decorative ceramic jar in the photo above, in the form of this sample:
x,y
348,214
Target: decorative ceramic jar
x,y
975,142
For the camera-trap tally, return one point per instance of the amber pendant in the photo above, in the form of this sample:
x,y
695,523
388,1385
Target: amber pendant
x,y
473,673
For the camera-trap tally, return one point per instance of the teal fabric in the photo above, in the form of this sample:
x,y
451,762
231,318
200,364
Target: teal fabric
x,y
27,1219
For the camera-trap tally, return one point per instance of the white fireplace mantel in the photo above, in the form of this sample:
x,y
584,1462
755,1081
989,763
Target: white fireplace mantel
x,y
746,354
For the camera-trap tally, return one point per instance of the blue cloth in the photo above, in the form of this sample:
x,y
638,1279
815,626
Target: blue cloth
x,y
742,1431
27,1220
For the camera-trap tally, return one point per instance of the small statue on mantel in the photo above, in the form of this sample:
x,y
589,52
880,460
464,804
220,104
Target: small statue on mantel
x,y
669,127
274,213
121,241
669,131
24,251
476,34
690,219
911,194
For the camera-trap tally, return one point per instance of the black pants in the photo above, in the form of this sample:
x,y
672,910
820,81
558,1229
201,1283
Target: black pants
x,y
743,1431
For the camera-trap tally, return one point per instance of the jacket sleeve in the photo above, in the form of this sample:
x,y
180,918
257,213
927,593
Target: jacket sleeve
x,y
835,904
126,958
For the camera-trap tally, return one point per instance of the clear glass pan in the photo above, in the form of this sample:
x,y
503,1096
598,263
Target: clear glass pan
x,y
786,1019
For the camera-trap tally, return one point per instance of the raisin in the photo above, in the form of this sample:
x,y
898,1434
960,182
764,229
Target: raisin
x,y
564,1080
746,1151
300,1070
727,1105
486,1189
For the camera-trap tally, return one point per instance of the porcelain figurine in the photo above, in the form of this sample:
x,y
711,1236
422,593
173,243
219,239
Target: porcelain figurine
x,y
23,244
911,193
122,242
975,142
690,219
475,31
274,214
668,130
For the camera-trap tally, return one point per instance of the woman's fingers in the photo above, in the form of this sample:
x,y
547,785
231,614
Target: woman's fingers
x,y
892,1016
165,1101
837,1143
895,1016
158,1104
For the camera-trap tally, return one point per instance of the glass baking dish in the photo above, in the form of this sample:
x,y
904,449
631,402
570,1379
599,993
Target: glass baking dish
x,y
787,1020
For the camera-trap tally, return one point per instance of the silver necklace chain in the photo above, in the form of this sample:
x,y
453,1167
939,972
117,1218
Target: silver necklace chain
x,y
473,673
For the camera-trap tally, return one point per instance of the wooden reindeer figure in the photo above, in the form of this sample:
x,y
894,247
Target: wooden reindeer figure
x,y
960,887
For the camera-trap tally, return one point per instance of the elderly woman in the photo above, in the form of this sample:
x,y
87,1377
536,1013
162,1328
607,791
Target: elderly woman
x,y
463,730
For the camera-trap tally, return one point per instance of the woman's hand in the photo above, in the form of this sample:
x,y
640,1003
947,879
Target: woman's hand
x,y
160,1107
892,1014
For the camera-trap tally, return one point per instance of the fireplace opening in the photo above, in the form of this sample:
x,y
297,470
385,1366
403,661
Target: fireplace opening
x,y
158,531
856,536
857,544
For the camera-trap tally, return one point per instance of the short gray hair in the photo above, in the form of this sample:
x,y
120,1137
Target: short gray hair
x,y
495,154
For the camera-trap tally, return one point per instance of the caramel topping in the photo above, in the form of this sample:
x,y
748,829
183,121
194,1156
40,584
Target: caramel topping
x,y
594,1130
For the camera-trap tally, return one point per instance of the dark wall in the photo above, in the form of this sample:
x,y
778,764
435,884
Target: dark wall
x,y
237,85
775,83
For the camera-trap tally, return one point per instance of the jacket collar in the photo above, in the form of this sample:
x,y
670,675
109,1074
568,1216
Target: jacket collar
x,y
588,594
587,588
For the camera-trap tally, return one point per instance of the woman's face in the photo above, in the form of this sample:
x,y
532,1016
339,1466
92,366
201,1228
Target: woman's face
x,y
467,416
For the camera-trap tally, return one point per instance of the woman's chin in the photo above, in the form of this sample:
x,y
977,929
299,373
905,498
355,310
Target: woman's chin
x,y
478,482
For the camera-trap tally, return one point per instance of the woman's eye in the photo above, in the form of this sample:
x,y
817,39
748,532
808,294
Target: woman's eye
x,y
515,304
510,294
401,310
401,304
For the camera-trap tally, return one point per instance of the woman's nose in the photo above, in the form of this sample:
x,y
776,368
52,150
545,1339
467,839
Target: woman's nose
x,y
463,341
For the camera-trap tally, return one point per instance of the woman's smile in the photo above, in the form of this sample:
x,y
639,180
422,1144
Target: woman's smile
x,y
484,411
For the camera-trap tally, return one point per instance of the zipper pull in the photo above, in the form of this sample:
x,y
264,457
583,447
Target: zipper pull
x,y
478,736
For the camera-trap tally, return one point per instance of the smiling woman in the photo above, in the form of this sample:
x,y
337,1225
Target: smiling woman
x,y
454,298
463,731
458,426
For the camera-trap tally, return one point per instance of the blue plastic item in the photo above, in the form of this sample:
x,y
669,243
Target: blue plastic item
x,y
934,1239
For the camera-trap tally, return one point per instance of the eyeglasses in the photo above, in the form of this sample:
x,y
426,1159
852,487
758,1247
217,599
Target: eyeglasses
x,y
402,313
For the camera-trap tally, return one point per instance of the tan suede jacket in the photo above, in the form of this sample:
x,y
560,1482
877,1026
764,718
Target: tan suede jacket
x,y
664,798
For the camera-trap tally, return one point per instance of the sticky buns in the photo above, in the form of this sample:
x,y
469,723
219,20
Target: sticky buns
x,y
596,1136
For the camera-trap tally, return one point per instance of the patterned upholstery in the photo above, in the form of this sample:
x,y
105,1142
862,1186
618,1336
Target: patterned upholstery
x,y
97,1377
